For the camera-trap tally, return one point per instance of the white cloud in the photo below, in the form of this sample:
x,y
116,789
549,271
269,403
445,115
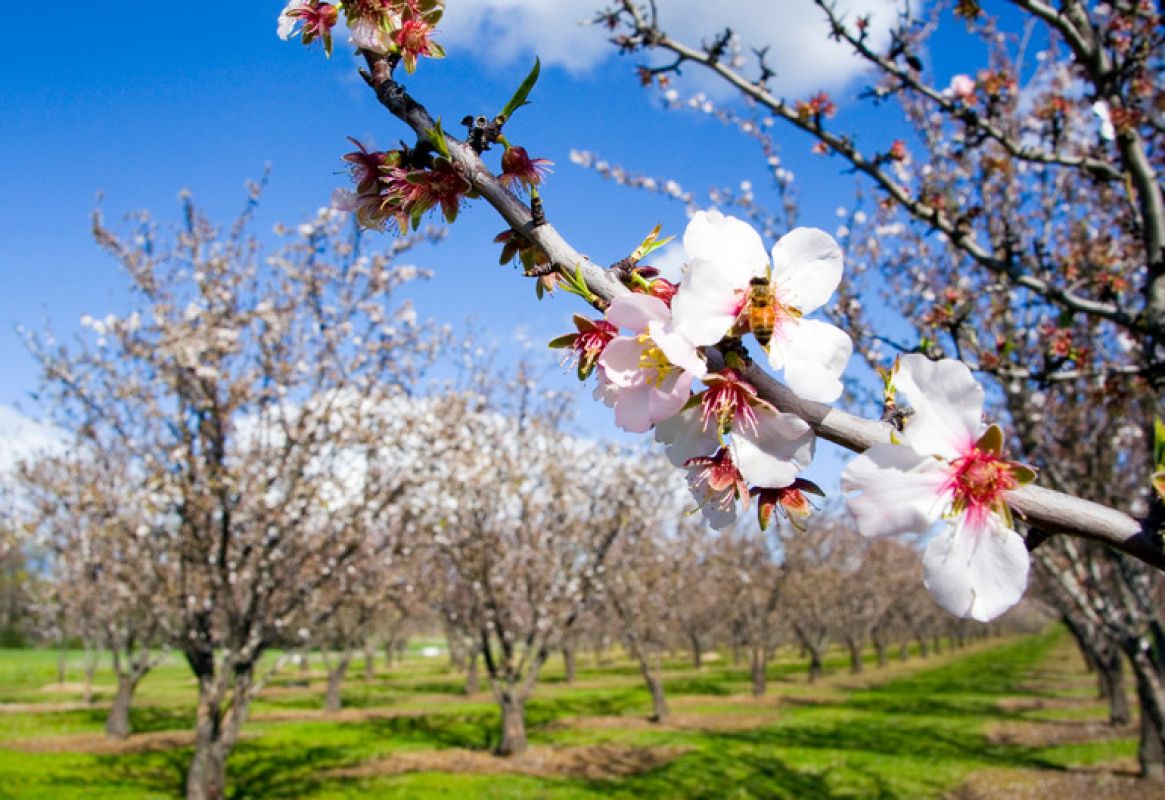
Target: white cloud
x,y
24,438
504,31
795,31
669,260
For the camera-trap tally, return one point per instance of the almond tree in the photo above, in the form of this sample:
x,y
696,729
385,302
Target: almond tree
x,y
895,569
637,581
696,589
244,384
813,590
751,597
109,538
518,518
373,590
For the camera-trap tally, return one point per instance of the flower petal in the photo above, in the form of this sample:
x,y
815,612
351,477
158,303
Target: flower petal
x,y
684,436
707,302
605,391
901,491
815,354
635,311
729,242
947,403
621,361
678,349
633,409
807,266
367,34
772,457
666,400
976,571
717,518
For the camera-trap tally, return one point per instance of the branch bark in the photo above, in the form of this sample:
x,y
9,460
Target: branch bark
x,y
1044,509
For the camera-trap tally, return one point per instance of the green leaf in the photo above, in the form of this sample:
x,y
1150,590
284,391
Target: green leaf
x,y
650,243
1158,481
1159,443
1023,474
519,98
437,138
562,341
991,441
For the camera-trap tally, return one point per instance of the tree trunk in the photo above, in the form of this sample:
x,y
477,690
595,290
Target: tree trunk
x,y
117,723
513,741
457,649
332,699
880,649
92,657
472,683
207,776
759,669
697,650
903,651
653,680
568,663
215,733
62,663
369,662
938,645
815,669
388,653
658,700
855,657
1151,694
1110,670
923,647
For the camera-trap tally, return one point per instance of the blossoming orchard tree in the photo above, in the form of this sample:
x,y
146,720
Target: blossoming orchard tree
x,y
515,536
109,537
1028,228
639,579
242,387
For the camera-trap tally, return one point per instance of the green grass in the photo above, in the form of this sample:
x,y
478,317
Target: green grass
x,y
917,735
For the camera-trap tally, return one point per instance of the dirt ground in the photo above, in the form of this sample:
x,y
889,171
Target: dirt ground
x,y
100,744
598,762
1114,782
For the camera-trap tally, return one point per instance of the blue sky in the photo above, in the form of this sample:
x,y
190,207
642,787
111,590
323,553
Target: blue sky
x,y
140,105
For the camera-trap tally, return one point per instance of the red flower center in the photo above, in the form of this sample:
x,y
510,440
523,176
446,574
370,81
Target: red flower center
x,y
979,481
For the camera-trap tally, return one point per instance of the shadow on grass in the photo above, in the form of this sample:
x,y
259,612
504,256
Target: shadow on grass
x,y
750,775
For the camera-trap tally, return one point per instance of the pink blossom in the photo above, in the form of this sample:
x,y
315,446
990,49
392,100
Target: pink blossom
x,y
768,448
962,87
647,376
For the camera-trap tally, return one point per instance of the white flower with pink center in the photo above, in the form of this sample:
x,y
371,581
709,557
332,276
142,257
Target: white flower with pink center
x,y
724,255
647,376
947,467
765,448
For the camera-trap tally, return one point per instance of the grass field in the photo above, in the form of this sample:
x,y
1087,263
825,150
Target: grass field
x,y
992,720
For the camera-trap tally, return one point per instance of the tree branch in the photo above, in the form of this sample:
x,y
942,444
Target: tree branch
x,y
1043,508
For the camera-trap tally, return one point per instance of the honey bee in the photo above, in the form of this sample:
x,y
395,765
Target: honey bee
x,y
762,309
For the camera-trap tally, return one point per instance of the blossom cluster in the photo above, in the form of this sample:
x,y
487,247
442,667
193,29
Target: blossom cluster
x,y
400,186
652,350
647,354
402,28
942,465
